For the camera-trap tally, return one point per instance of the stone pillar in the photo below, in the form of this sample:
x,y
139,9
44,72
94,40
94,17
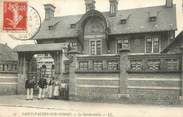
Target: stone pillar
x,y
181,86
22,75
58,63
72,76
123,72
61,64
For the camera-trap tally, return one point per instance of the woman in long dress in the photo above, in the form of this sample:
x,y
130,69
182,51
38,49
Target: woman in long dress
x,y
50,88
56,92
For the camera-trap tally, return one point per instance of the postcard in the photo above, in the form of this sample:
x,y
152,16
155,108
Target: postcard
x,y
91,58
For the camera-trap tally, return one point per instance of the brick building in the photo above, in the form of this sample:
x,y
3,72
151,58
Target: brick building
x,y
117,54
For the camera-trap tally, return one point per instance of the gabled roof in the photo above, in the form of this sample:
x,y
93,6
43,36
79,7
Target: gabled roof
x,y
7,54
40,47
138,22
176,44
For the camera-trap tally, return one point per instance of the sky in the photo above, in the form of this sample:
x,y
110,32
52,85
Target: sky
x,y
71,7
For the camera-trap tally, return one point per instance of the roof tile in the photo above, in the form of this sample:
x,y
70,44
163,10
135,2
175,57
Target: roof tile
x,y
138,22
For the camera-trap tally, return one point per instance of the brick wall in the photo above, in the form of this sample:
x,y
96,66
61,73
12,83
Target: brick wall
x,y
8,84
96,86
154,87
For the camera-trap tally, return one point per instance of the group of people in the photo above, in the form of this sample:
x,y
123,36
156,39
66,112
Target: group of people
x,y
53,87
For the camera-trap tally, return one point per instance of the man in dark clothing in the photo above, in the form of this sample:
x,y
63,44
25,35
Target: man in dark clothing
x,y
42,87
29,85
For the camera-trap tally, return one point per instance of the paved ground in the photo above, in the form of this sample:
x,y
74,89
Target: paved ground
x,y
17,106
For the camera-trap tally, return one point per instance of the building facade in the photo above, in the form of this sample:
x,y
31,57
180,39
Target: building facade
x,y
118,54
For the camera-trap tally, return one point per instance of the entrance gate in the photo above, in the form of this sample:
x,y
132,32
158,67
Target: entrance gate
x,y
25,54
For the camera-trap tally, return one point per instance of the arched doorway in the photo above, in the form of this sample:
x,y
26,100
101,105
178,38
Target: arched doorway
x,y
41,65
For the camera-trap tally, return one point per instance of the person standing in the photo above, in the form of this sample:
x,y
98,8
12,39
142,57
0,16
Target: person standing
x,y
62,88
56,91
29,85
42,83
50,88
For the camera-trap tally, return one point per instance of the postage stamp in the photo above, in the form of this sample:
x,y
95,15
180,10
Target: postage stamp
x,y
14,15
21,21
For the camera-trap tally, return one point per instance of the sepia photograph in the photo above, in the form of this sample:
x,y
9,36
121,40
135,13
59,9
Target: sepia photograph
x,y
91,58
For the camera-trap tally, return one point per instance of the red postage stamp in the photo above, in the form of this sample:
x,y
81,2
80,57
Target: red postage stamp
x,y
14,16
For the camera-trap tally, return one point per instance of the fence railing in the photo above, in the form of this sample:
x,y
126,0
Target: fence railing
x,y
102,63
154,63
8,67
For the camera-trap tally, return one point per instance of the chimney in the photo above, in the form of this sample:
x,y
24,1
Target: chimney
x,y
49,11
113,7
169,3
90,5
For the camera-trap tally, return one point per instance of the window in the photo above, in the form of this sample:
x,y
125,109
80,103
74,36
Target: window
x,y
73,44
97,65
123,21
95,47
73,25
98,47
113,65
124,18
83,66
153,16
152,19
1,67
152,45
5,67
121,44
51,27
66,68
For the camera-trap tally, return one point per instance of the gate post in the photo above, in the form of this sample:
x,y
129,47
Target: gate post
x,y
181,86
123,72
72,75
58,63
22,73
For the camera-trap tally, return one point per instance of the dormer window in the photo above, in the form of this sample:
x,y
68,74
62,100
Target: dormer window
x,y
73,25
153,16
124,18
123,21
50,27
152,19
